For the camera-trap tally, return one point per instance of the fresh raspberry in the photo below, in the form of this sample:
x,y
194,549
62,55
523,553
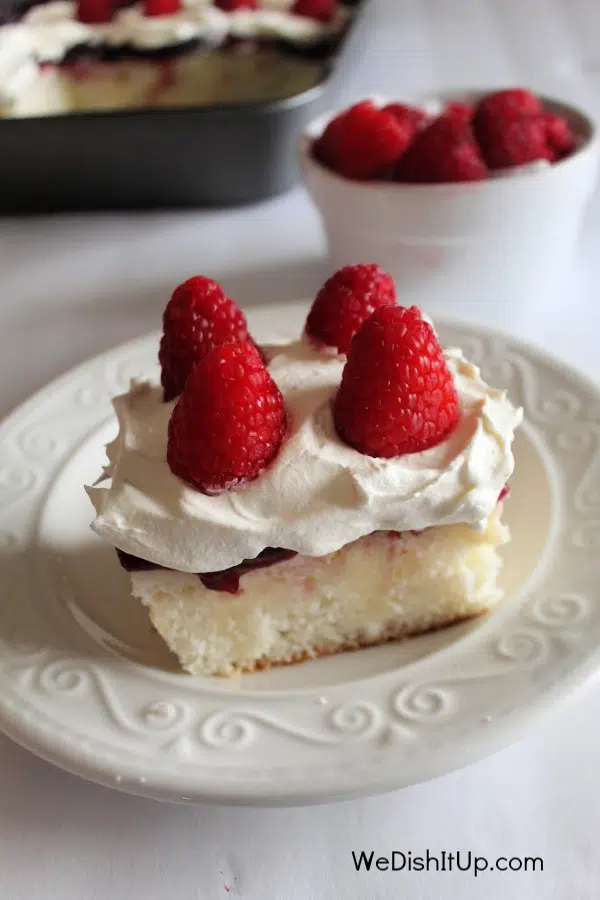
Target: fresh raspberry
x,y
397,395
228,423
512,141
94,12
445,152
510,129
345,301
511,102
198,317
417,117
321,10
161,7
363,142
232,5
461,111
559,136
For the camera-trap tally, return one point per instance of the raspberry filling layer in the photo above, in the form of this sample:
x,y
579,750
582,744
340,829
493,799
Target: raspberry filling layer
x,y
227,580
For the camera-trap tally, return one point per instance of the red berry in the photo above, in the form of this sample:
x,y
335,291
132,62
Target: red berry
x,y
445,152
94,12
510,129
232,5
461,111
321,10
559,136
412,114
397,395
198,317
228,423
363,142
512,141
161,7
345,301
511,102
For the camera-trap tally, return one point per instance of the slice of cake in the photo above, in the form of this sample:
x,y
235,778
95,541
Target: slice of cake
x,y
98,55
382,587
276,504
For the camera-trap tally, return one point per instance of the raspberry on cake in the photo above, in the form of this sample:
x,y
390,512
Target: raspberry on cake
x,y
278,515
161,7
397,395
321,10
94,12
228,423
345,301
232,5
198,317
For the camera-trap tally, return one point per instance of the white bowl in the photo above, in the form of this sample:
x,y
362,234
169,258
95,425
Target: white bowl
x,y
513,234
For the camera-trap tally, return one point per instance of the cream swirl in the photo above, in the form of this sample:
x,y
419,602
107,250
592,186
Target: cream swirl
x,y
318,494
195,20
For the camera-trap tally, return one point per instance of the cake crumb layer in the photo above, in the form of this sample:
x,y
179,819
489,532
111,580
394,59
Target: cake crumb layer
x,y
379,588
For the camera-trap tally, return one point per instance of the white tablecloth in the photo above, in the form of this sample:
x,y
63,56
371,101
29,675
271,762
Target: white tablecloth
x,y
71,287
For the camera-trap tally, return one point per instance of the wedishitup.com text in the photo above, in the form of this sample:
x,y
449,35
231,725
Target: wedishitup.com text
x,y
443,861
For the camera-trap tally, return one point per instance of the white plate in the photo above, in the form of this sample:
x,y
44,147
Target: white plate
x,y
85,683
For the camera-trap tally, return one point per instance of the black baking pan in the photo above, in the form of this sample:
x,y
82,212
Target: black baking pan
x,y
209,156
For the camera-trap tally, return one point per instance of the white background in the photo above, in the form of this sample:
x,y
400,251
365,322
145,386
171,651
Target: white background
x,y
71,287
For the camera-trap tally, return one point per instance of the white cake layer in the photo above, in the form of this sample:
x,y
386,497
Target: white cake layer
x,y
380,587
193,79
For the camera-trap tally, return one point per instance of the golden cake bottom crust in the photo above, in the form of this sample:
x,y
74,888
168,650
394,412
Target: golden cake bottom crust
x,y
263,665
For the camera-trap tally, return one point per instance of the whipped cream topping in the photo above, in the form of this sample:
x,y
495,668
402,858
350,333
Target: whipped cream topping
x,y
318,494
18,68
47,32
195,20
54,29
280,23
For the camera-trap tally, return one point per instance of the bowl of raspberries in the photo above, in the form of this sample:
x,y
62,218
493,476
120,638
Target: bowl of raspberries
x,y
470,196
